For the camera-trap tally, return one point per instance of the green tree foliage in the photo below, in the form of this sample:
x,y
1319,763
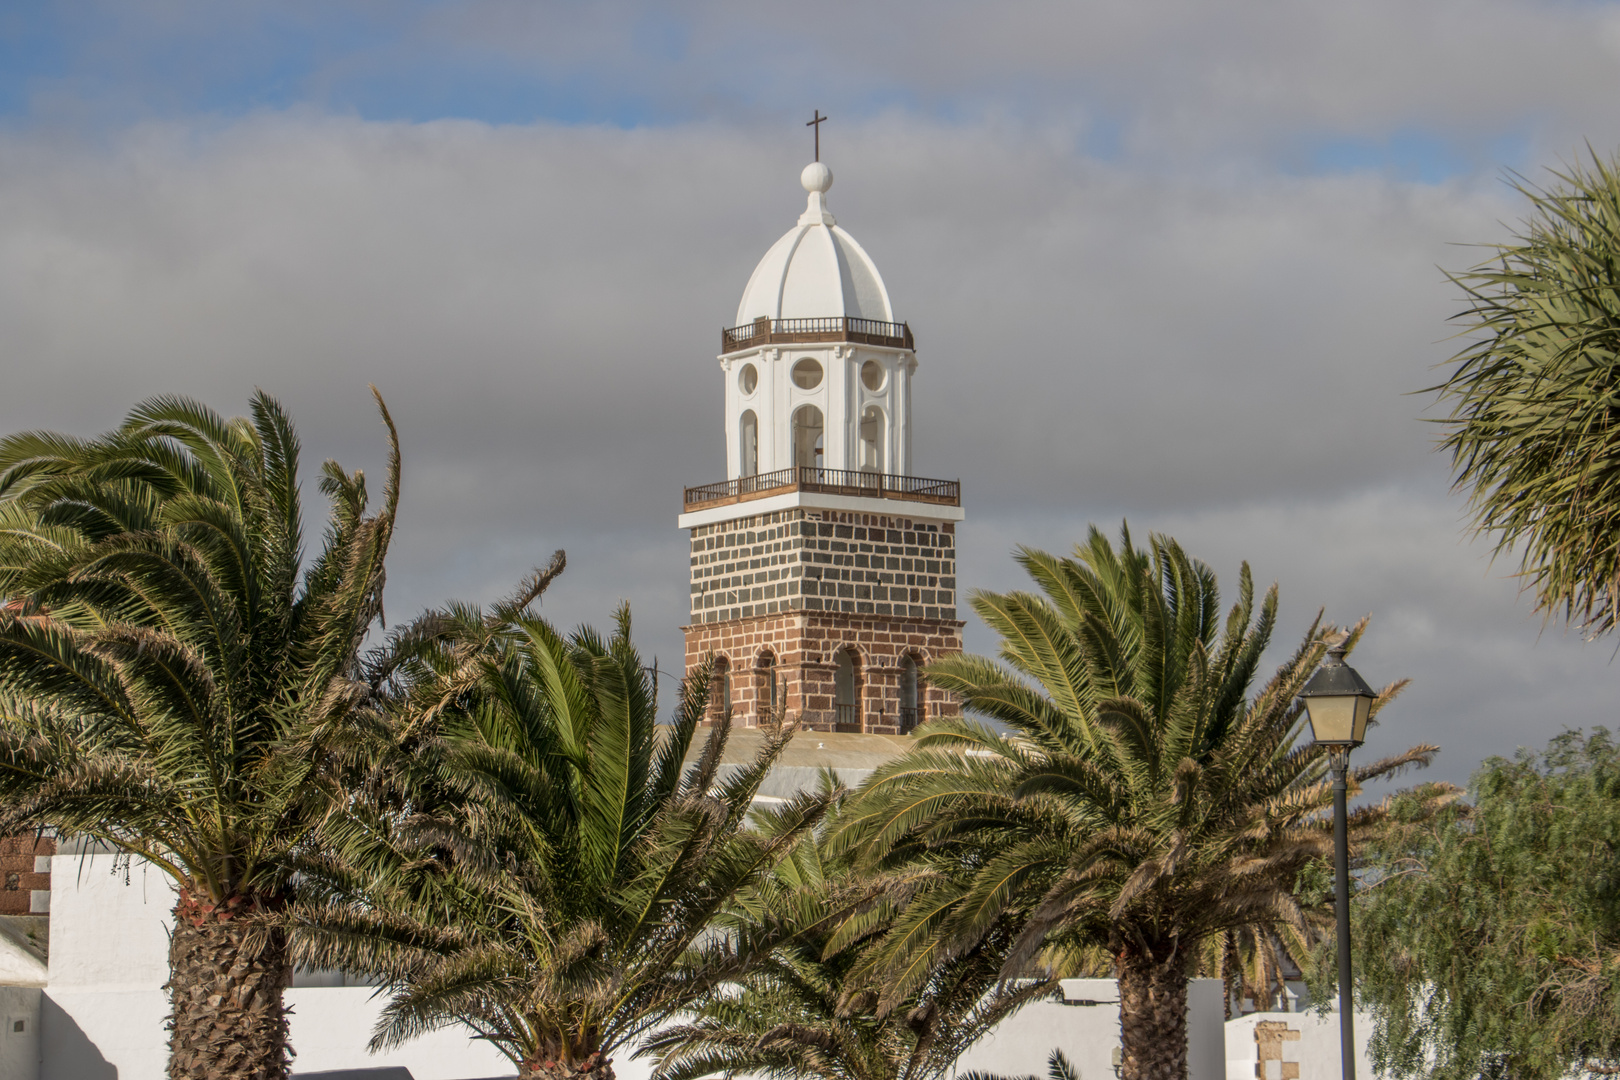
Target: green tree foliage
x,y
1487,937
535,861
176,685
1143,800
806,1012
1534,430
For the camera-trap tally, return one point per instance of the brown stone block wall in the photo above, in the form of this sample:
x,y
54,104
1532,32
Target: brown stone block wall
x,y
823,561
804,646
18,879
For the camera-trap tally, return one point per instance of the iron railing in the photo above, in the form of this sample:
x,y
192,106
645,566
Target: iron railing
x,y
908,719
847,718
764,331
872,485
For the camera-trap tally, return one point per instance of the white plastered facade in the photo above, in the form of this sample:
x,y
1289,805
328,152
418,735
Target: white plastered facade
x,y
101,1013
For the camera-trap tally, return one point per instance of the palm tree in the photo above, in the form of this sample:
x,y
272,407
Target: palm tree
x,y
1251,961
173,684
805,1012
1058,1067
539,863
1534,435
1141,802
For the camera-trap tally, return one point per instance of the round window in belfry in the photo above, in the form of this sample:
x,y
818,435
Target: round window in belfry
x,y
872,375
807,374
748,379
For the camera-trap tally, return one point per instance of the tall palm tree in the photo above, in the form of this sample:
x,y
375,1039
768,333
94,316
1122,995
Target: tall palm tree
x,y
1141,800
174,684
1534,435
539,864
806,1013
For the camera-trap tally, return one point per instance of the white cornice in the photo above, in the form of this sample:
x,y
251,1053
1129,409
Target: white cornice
x,y
816,500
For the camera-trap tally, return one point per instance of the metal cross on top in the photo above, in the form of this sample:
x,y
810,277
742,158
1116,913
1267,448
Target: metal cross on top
x,y
816,123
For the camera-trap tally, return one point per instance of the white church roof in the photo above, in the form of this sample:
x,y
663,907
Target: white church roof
x,y
816,270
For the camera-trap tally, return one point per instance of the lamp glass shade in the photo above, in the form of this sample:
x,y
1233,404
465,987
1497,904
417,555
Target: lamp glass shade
x,y
1339,719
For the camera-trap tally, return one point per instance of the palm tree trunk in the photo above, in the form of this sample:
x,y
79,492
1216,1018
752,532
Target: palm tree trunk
x,y
1153,1015
226,1018
595,1067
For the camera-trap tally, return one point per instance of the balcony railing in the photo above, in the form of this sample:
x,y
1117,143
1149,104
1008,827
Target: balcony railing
x,y
908,719
763,331
871,485
847,718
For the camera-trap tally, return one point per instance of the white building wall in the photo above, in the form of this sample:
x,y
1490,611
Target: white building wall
x,y
1314,1052
19,966
102,1013
109,930
19,1032
1089,1034
103,1008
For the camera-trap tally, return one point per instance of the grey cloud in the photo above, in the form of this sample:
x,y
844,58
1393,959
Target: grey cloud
x,y
1181,82
1486,677
1221,356
1187,80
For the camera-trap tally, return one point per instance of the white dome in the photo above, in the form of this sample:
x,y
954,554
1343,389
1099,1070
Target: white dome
x,y
816,270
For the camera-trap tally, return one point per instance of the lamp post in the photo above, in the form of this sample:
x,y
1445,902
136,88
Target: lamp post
x,y
1338,702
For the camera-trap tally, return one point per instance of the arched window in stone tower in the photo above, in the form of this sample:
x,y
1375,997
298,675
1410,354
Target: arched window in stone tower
x,y
720,690
750,443
807,437
908,694
765,686
845,689
872,439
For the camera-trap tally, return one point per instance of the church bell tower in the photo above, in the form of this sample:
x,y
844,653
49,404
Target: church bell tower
x,y
823,572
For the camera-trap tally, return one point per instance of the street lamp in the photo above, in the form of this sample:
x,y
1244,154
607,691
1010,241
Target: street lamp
x,y
1337,703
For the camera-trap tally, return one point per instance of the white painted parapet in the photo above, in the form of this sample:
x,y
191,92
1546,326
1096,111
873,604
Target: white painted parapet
x,y
1085,1026
103,1008
1292,1046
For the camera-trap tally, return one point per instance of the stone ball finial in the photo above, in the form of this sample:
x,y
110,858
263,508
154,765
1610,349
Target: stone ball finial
x,y
816,177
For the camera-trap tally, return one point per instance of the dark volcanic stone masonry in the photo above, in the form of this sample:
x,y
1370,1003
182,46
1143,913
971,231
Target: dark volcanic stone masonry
x,y
778,598
823,560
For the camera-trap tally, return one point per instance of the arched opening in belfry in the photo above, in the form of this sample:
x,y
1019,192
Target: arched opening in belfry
x,y
807,432
909,694
765,686
720,690
750,443
872,439
846,692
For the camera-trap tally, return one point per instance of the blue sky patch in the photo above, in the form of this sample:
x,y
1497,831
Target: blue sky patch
x,y
1421,156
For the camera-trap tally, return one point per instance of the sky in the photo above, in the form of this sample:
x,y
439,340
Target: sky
x,y
1178,264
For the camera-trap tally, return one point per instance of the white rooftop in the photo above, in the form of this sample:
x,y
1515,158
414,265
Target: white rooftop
x,y
816,270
